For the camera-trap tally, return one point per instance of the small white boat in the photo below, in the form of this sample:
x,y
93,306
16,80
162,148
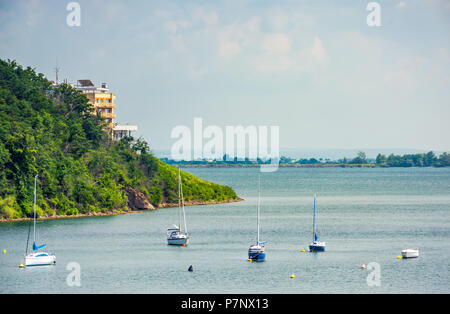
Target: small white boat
x,y
37,258
410,253
177,236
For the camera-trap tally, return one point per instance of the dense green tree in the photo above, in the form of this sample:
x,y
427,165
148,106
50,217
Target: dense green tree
x,y
429,159
444,160
381,159
360,158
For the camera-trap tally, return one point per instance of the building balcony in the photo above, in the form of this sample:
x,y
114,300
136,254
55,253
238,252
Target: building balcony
x,y
105,105
120,131
108,115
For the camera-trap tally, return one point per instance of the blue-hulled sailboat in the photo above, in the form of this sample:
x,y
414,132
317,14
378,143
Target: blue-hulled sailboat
x,y
257,252
37,258
316,245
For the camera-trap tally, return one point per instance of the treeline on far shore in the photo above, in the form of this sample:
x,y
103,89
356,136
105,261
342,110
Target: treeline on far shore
x,y
429,159
414,160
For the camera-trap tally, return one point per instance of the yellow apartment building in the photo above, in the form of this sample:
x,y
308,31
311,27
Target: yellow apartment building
x,y
100,97
104,103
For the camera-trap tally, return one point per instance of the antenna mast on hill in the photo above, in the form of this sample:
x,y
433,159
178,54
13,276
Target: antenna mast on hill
x,y
56,71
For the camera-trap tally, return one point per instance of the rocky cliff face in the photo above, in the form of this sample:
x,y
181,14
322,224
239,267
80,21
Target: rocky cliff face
x,y
137,200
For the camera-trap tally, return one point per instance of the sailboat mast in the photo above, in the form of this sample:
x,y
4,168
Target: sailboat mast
x,y
179,199
182,206
34,223
314,220
258,208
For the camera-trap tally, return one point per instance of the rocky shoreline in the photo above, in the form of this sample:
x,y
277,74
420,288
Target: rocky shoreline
x,y
194,203
122,212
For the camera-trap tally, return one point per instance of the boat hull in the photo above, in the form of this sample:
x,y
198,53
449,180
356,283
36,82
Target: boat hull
x,y
410,253
39,260
257,256
257,253
317,247
178,241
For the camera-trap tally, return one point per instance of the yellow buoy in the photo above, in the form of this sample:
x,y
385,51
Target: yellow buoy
x,y
4,251
21,266
303,250
292,276
250,260
399,257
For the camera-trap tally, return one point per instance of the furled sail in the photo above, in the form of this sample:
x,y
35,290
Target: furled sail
x,y
35,247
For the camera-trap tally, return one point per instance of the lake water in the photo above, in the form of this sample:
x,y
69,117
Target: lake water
x,y
364,215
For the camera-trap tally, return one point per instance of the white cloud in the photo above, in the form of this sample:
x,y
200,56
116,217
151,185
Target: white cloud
x,y
34,12
438,3
270,64
278,43
306,60
177,43
174,26
318,52
443,54
252,25
284,20
228,49
280,47
196,72
209,18
232,38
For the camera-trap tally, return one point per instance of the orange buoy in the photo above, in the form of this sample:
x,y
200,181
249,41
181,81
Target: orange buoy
x,y
363,266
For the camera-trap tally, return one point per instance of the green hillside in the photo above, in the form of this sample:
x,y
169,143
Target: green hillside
x,y
52,132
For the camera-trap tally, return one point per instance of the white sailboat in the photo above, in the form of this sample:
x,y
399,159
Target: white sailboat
x,y
37,258
176,235
256,252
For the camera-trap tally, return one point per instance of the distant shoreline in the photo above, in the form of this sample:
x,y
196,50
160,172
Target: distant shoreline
x,y
280,166
297,166
429,159
123,212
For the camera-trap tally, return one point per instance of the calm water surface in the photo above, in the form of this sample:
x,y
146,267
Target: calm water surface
x,y
364,215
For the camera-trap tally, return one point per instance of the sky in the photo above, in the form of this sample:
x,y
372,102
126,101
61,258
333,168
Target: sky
x,y
315,69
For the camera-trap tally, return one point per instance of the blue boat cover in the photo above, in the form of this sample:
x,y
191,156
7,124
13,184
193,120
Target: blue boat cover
x,y
316,237
35,247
